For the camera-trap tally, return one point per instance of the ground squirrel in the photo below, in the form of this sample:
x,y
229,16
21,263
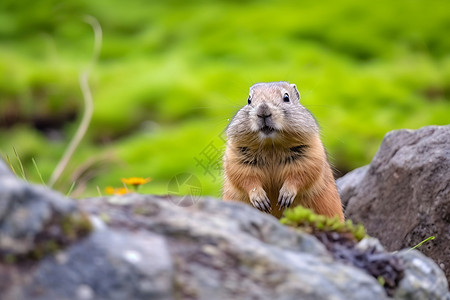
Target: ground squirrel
x,y
274,157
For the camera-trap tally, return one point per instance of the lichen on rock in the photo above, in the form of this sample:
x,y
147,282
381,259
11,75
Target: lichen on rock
x,y
35,221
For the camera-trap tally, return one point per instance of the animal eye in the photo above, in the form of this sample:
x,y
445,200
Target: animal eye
x,y
249,101
286,97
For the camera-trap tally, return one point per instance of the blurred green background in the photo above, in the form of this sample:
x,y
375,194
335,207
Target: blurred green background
x,y
172,73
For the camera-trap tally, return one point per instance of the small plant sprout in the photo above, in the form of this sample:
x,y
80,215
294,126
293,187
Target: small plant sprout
x,y
135,182
72,186
99,192
37,170
11,165
422,242
20,164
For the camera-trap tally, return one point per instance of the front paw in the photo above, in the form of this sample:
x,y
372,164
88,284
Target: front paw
x,y
286,197
259,199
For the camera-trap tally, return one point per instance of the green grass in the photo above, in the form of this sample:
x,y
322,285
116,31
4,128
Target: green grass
x,y
171,74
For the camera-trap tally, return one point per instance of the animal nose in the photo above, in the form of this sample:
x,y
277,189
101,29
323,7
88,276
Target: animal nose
x,y
264,115
264,112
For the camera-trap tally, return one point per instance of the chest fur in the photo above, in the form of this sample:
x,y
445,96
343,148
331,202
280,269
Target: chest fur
x,y
271,158
273,164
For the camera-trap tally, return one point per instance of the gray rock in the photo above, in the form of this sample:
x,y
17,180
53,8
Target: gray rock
x,y
348,184
107,265
4,169
25,212
147,247
423,279
403,196
153,249
370,243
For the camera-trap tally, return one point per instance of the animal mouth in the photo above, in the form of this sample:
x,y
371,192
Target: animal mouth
x,y
267,129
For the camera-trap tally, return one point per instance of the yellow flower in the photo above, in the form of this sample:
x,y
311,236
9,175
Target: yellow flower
x,y
116,191
121,191
135,181
110,190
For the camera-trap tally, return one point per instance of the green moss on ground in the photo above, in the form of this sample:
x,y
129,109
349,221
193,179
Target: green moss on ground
x,y
341,239
306,220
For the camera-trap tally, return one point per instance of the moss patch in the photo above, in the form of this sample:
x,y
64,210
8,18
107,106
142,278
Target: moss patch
x,y
341,240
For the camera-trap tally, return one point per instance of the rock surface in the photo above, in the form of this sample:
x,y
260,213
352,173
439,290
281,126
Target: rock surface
x,y
403,196
4,170
32,219
146,247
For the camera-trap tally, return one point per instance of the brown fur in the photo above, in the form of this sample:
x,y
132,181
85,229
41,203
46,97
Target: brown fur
x,y
285,166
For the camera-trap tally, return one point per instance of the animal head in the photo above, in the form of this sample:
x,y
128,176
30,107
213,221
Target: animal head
x,y
273,113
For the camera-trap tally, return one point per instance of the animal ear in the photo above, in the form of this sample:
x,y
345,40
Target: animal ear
x,y
294,87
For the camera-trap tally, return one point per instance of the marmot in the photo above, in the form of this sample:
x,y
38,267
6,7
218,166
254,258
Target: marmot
x,y
274,157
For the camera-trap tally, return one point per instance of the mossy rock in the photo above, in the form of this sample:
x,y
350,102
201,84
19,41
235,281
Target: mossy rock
x,y
308,221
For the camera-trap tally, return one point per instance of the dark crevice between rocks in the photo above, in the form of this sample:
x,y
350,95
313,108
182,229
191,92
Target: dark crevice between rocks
x,y
385,267
60,232
341,240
